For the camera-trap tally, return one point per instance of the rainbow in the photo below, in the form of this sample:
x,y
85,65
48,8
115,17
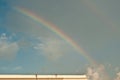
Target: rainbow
x,y
101,14
57,31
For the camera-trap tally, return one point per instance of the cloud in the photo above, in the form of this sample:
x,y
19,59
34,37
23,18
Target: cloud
x,y
18,68
11,68
97,73
118,76
8,49
117,69
53,48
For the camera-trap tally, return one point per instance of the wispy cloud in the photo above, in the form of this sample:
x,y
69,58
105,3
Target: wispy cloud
x,y
8,49
117,69
53,48
18,68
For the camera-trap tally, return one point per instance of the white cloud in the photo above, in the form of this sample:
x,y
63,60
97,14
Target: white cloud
x,y
8,49
118,76
53,48
97,73
89,71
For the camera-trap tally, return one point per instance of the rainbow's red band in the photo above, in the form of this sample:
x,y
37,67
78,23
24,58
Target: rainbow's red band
x,y
57,31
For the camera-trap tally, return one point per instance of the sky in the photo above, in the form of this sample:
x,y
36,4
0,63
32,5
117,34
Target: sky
x,y
27,46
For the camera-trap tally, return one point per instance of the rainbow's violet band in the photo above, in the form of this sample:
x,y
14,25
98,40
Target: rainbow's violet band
x,y
57,31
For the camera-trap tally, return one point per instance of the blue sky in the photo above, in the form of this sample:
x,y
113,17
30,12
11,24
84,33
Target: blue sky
x,y
27,47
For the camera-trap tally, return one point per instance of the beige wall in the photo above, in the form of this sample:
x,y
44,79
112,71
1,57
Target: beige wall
x,y
16,79
40,79
43,77
76,79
